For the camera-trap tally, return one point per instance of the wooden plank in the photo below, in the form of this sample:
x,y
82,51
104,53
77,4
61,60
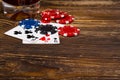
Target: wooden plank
x,y
94,3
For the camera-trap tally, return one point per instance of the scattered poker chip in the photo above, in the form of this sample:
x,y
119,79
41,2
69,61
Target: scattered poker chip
x,y
46,29
49,12
29,23
46,19
59,15
66,20
54,13
69,31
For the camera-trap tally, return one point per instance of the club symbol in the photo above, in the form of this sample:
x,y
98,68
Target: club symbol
x,y
32,37
17,32
55,40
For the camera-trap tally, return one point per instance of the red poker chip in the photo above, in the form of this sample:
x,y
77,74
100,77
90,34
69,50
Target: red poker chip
x,y
59,15
46,19
69,31
66,20
50,12
54,13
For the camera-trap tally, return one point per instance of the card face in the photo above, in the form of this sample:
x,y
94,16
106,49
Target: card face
x,y
16,32
45,39
21,33
29,35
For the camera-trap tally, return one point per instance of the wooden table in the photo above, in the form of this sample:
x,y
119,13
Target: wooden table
x,y
93,55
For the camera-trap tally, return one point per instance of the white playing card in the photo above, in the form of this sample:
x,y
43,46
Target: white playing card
x,y
51,39
15,32
21,33
29,36
45,39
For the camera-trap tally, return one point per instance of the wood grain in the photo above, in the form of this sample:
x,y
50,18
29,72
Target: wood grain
x,y
93,55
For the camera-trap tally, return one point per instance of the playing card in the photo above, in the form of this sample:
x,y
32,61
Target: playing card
x,y
21,33
16,32
30,36
45,39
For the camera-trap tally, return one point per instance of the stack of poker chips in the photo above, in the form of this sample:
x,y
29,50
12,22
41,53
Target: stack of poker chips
x,y
58,16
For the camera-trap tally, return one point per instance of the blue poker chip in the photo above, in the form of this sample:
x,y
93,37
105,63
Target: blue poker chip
x,y
29,23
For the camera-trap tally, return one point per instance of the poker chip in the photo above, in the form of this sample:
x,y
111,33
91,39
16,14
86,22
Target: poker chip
x,y
69,31
66,20
54,13
49,12
59,15
46,19
46,29
29,23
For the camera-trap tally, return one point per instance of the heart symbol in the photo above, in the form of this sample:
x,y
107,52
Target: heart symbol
x,y
42,39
